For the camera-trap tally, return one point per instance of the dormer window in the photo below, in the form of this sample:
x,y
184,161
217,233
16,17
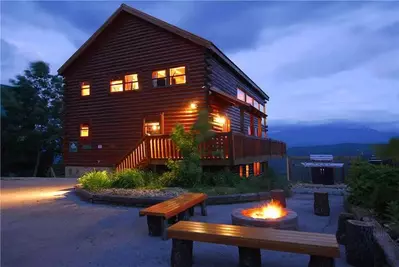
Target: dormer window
x,y
85,89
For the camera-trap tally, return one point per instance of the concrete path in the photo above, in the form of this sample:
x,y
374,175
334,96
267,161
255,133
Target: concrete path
x,y
43,224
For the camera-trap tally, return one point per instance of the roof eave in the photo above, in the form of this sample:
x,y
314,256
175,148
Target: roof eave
x,y
218,52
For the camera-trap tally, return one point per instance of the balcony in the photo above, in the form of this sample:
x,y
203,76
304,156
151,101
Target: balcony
x,y
224,149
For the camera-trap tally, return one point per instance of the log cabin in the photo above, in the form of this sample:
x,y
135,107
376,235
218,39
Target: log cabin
x,y
136,77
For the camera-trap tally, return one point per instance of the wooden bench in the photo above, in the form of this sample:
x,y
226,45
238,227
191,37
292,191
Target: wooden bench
x,y
178,208
322,248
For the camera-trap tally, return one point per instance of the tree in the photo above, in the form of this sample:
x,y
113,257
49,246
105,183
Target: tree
x,y
32,125
389,151
188,170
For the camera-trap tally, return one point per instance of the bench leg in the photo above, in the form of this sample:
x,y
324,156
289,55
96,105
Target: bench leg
x,y
182,253
155,224
191,210
249,257
320,261
203,209
184,216
164,228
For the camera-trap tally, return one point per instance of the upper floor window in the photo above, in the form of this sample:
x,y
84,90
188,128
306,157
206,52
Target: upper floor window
x,y
249,100
131,82
177,75
240,95
117,86
85,88
128,83
256,104
159,78
172,76
84,130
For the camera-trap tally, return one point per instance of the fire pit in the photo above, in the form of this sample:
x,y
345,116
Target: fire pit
x,y
271,215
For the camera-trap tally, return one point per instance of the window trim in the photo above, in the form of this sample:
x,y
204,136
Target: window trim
x,y
121,77
161,122
259,103
80,88
88,129
168,77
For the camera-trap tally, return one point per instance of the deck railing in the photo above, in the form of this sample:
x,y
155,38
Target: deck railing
x,y
233,146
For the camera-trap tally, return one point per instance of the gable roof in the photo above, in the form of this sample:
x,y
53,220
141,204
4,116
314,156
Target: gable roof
x,y
169,27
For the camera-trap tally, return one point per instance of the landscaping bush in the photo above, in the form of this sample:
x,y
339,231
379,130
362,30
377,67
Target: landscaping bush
x,y
373,187
96,180
221,178
130,178
393,211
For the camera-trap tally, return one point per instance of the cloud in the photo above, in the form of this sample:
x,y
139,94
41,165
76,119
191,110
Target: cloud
x,y
317,61
58,29
340,68
27,37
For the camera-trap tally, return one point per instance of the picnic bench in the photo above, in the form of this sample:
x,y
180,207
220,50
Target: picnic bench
x,y
322,248
176,209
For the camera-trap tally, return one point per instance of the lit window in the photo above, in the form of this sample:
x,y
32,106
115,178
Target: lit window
x,y
85,88
177,75
131,82
256,104
241,171
256,168
249,100
117,86
159,78
151,128
84,130
240,95
246,170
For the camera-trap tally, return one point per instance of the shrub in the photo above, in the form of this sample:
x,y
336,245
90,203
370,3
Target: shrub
x,y
393,211
130,178
167,179
373,186
188,172
221,178
96,180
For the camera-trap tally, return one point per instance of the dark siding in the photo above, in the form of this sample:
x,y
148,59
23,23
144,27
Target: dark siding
x,y
224,79
128,45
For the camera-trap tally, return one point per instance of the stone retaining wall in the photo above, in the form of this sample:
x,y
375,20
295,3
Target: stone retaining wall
x,y
148,201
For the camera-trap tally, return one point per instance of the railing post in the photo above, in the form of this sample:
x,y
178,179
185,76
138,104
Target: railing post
x,y
231,148
147,148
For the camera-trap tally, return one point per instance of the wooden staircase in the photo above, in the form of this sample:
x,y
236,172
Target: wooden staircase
x,y
136,158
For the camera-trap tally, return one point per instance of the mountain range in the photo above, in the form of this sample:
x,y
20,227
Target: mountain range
x,y
303,135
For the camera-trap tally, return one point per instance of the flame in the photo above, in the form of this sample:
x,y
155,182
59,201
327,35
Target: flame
x,y
272,210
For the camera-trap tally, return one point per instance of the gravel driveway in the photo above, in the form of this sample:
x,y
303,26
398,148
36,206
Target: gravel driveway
x,y
45,225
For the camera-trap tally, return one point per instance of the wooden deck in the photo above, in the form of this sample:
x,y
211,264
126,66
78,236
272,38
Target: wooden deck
x,y
231,149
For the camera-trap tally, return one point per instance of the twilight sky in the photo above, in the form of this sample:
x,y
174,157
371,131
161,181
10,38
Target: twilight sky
x,y
318,61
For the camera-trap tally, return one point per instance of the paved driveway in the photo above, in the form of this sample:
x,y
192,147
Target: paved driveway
x,y
45,225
